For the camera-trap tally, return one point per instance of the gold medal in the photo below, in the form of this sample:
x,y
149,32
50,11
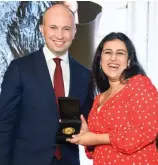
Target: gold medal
x,y
68,130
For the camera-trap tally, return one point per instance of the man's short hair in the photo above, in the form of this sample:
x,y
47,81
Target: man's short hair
x,y
54,3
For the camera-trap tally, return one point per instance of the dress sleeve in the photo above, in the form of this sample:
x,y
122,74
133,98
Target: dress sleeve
x,y
142,127
89,151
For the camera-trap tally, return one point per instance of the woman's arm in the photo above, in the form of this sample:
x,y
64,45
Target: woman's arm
x,y
142,127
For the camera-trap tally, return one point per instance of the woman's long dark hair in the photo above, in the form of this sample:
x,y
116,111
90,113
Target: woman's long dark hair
x,y
100,79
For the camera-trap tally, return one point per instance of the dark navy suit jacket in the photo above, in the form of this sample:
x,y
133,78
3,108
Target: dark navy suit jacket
x,y
28,111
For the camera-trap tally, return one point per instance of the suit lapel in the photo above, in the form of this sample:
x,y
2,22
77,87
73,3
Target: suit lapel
x,y
44,79
74,79
43,76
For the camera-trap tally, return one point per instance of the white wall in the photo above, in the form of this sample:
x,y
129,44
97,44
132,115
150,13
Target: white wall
x,y
143,30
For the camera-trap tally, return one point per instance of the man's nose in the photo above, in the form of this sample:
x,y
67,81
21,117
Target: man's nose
x,y
59,34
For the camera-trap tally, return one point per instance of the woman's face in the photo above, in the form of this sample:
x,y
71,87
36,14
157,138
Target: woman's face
x,y
114,59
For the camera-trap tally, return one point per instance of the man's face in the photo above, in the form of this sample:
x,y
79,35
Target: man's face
x,y
58,29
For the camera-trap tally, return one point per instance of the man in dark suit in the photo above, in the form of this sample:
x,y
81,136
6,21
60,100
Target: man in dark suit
x,y
29,116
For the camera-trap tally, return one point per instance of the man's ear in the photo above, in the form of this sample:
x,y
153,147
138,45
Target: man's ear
x,y
41,29
74,33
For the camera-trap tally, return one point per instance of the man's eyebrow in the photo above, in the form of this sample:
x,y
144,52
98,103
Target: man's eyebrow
x,y
52,25
67,27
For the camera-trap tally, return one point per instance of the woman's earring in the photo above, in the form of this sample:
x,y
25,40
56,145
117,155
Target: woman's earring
x,y
101,68
101,72
128,65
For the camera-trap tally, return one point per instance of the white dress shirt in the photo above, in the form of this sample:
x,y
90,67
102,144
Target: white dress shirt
x,y
64,65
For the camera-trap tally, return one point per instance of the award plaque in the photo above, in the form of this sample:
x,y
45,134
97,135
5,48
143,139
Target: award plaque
x,y
69,108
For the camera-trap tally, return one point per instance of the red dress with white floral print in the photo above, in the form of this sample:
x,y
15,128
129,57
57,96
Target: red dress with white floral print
x,y
131,119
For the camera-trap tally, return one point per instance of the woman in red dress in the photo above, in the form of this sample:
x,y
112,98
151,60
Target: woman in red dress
x,y
123,122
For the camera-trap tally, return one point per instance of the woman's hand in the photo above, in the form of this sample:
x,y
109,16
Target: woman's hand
x,y
84,136
85,139
84,125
